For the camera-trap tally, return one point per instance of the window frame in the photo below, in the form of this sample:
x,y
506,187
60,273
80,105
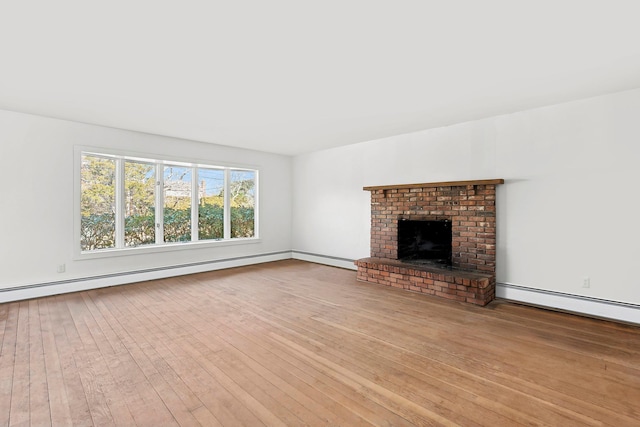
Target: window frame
x,y
160,161
123,202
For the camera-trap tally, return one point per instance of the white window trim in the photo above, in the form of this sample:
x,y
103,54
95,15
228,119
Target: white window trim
x,y
227,211
160,246
159,220
195,203
120,203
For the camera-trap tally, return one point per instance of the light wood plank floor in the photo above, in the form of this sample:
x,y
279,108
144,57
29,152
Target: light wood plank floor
x,y
292,343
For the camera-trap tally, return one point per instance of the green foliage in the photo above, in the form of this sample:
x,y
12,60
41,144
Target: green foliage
x,y
139,189
242,222
177,225
97,179
210,222
139,230
97,203
241,194
97,231
139,195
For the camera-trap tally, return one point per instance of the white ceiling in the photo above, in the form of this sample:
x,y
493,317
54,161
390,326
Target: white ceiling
x,y
294,76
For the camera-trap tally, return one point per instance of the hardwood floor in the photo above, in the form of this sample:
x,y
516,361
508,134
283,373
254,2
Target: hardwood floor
x,y
292,343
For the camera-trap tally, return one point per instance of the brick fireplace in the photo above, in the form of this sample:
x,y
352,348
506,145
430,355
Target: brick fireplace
x,y
469,205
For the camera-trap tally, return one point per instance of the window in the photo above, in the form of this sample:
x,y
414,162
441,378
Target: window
x,y
128,202
177,204
139,203
98,203
210,204
242,202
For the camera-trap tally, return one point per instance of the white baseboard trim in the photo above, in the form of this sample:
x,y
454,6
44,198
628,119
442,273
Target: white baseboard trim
x,y
38,290
324,259
624,312
594,307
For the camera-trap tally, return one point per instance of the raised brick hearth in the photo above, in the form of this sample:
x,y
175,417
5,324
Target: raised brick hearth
x,y
469,205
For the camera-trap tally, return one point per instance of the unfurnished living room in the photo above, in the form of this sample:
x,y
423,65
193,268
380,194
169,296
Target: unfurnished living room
x,y
288,213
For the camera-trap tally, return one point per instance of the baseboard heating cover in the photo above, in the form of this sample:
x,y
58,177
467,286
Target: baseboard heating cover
x,y
578,304
37,290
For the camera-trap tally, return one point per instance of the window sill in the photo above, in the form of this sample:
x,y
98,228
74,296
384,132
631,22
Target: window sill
x,y
166,247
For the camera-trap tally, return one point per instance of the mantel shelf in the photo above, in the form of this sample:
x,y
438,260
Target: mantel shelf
x,y
436,184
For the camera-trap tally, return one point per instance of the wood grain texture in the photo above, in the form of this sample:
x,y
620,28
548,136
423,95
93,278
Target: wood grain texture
x,y
292,343
436,184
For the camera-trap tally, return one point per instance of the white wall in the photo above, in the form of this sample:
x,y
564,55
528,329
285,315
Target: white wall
x,y
37,205
567,210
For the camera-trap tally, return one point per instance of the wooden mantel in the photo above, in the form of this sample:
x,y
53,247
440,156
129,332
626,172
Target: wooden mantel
x,y
436,184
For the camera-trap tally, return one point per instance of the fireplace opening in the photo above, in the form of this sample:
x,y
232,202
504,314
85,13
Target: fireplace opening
x,y
427,242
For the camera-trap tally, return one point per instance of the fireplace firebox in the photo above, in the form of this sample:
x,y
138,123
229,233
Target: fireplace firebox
x,y
424,242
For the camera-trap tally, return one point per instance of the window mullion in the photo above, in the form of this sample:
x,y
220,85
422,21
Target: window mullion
x,y
159,203
120,203
256,204
195,200
227,206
